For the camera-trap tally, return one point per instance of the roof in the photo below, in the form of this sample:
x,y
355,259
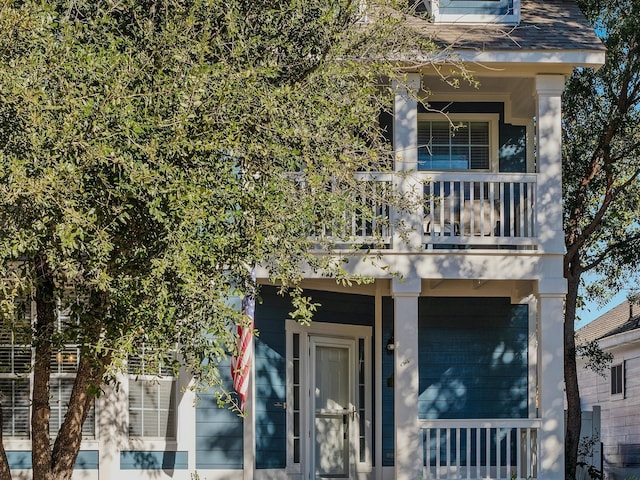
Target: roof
x,y
548,25
623,318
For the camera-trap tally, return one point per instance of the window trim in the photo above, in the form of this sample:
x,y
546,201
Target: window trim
x,y
493,119
511,18
131,378
618,395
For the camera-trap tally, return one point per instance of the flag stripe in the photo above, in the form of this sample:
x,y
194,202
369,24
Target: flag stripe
x,y
241,365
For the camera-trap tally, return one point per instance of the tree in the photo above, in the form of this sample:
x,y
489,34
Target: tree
x,y
146,158
601,178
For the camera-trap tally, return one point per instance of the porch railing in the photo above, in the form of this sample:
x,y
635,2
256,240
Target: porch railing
x,y
501,449
369,225
476,209
459,210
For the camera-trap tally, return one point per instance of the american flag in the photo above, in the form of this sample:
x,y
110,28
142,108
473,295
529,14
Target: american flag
x,y
241,364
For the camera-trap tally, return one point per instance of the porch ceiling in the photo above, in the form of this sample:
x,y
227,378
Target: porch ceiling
x,y
516,92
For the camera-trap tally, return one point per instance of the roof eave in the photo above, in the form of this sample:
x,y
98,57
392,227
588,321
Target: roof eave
x,y
620,339
566,58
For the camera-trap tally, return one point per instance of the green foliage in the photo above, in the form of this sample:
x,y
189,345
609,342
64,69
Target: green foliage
x,y
147,151
602,152
601,171
596,359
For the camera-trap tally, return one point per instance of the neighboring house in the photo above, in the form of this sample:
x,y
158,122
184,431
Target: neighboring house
x,y
453,369
617,392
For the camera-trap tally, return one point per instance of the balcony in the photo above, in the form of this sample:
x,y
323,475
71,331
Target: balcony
x,y
478,449
479,210
457,210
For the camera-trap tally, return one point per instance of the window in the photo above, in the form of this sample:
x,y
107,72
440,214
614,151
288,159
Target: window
x,y
152,394
452,144
617,379
15,363
475,11
15,376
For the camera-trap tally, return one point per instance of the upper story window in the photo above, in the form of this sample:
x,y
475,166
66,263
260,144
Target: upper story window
x,y
617,380
461,142
475,11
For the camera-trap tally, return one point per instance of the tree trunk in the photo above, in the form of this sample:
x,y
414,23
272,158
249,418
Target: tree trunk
x,y
67,444
88,379
41,409
5,473
574,411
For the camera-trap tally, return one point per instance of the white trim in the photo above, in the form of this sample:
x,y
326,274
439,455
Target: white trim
x,y
532,359
585,58
378,379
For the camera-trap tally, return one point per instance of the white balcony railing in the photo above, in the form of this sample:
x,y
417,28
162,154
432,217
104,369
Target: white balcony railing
x,y
459,210
500,449
368,226
479,209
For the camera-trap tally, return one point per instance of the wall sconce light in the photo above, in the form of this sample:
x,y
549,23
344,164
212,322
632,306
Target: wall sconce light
x,y
391,345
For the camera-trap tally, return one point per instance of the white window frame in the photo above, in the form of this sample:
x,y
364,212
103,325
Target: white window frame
x,y
619,395
435,7
132,378
493,119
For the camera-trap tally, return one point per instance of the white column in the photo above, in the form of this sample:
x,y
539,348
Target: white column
x,y
405,145
549,157
112,433
408,438
186,417
551,377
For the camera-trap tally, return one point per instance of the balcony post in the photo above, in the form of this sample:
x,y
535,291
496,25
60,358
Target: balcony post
x,y
549,148
408,437
551,293
405,145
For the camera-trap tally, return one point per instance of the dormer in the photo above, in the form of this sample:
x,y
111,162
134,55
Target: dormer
x,y
505,12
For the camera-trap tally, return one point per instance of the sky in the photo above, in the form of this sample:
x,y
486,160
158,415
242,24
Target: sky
x,y
592,310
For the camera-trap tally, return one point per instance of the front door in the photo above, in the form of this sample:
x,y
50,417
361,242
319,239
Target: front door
x,y
333,407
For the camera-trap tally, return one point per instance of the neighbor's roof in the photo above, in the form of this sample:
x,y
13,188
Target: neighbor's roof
x,y
623,318
548,25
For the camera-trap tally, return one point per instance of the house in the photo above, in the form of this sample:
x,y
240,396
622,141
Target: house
x,y
452,368
615,391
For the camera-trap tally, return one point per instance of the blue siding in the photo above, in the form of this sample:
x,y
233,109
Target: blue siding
x,y
473,358
270,371
146,460
512,138
21,460
219,431
388,436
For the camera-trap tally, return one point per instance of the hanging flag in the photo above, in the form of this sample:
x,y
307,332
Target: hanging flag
x,y
241,364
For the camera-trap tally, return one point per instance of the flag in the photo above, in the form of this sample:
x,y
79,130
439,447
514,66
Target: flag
x,y
241,364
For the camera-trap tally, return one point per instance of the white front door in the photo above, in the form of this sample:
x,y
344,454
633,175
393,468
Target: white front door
x,y
332,407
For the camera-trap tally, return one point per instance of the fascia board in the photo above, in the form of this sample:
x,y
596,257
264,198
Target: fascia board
x,y
577,58
619,339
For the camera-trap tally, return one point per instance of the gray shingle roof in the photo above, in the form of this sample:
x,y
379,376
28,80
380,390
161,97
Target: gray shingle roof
x,y
548,25
623,318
